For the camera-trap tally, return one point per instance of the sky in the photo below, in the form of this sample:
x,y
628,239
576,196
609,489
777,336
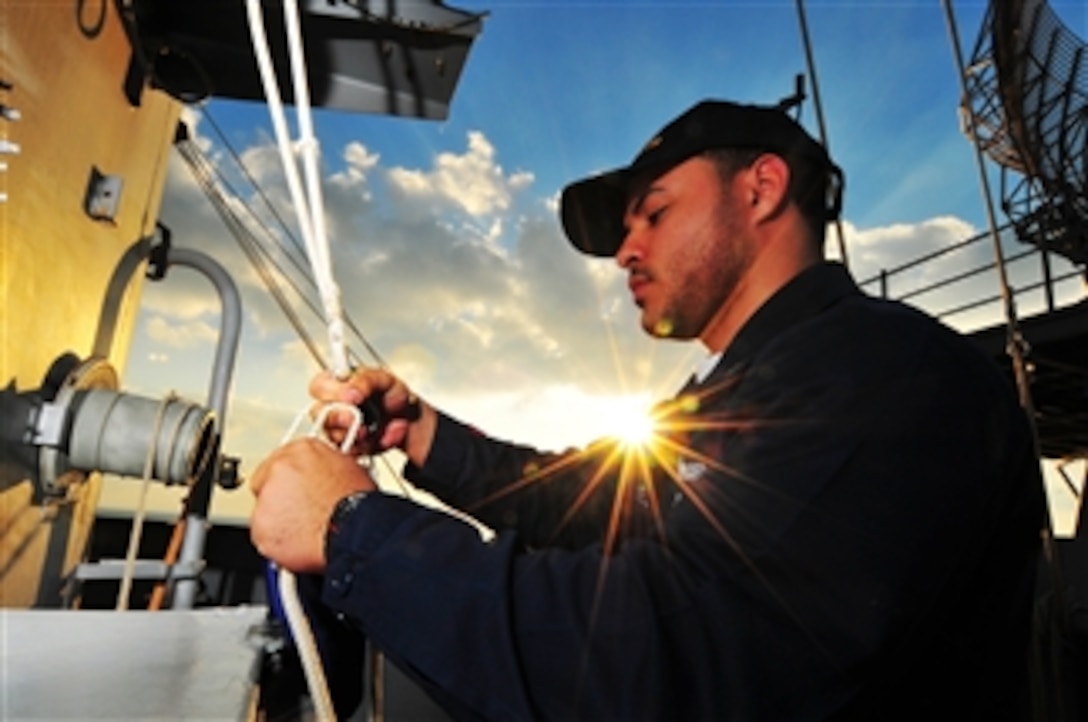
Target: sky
x,y
444,234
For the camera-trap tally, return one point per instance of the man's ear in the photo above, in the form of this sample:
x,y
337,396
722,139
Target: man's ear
x,y
768,185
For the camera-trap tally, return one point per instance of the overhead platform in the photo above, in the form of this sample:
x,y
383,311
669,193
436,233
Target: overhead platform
x,y
386,57
1057,356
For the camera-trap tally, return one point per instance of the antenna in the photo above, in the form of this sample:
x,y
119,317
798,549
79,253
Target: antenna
x,y
811,63
794,101
1027,90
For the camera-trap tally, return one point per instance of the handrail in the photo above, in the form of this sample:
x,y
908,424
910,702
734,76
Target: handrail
x,y
931,255
1045,279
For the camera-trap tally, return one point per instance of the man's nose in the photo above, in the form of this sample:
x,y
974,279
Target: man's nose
x,y
630,250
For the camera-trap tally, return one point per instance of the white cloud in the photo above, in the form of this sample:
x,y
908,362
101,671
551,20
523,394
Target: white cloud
x,y
551,203
359,158
474,303
263,162
180,335
358,163
415,363
873,249
472,182
296,360
936,285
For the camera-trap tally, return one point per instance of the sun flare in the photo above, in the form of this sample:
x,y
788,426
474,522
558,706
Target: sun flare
x,y
632,422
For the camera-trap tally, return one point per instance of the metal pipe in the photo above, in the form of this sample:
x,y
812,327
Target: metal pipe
x,y
192,545
1048,279
1015,342
115,293
113,432
230,330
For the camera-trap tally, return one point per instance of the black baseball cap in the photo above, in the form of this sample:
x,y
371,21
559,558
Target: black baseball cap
x,y
592,209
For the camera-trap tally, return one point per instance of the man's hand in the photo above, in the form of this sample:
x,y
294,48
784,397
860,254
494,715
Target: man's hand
x,y
297,487
409,422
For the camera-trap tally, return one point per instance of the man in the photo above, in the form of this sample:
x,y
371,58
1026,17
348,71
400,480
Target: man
x,y
841,520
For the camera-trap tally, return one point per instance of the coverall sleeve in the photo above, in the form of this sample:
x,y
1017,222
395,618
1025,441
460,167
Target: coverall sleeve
x,y
550,499
803,558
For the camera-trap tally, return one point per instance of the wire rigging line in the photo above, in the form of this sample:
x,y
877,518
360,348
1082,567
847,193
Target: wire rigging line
x,y
226,201
287,233
260,258
265,200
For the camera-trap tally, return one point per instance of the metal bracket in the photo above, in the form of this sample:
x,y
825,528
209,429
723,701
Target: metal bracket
x,y
54,472
48,425
103,195
142,569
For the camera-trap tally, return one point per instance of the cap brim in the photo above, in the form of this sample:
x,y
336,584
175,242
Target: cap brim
x,y
591,211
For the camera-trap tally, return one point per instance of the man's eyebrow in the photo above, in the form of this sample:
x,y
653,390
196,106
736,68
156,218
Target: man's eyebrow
x,y
634,205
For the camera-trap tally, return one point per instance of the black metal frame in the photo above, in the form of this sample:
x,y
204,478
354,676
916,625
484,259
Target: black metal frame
x,y
1028,92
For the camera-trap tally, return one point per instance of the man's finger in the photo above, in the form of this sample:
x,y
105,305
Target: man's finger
x,y
257,478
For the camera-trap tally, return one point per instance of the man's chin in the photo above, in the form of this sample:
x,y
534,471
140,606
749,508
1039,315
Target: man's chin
x,y
659,327
664,328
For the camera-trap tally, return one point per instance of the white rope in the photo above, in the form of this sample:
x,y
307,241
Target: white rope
x,y
288,584
310,150
309,206
310,212
138,517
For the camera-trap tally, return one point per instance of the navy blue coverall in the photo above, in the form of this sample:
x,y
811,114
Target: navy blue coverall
x,y
844,524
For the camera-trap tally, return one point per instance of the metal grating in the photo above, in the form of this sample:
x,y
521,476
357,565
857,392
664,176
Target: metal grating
x,y
1028,96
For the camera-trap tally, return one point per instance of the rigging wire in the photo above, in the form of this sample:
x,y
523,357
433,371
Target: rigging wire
x,y
811,63
259,257
226,201
1017,348
285,230
308,205
1015,344
317,243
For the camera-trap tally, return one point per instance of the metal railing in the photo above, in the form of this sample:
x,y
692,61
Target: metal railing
x,y
951,283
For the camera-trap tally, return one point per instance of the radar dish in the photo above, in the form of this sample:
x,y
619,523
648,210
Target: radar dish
x,y
1027,88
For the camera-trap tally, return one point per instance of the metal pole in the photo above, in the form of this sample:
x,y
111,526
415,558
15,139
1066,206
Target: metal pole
x,y
196,520
811,63
1015,346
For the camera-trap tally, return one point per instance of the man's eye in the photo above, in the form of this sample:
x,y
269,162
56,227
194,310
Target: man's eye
x,y
654,216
